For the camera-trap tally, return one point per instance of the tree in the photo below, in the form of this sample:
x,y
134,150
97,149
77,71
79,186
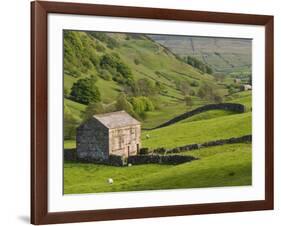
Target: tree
x,y
85,91
136,61
218,98
65,92
104,74
93,109
219,77
184,87
122,104
188,101
208,92
145,87
70,123
194,83
209,70
142,104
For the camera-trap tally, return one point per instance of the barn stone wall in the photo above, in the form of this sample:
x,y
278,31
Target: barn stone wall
x,y
125,141
92,143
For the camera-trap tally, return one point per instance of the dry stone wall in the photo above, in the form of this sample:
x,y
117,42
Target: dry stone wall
x,y
189,147
239,108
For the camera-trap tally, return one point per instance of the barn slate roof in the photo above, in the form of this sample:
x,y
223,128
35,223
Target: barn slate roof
x,y
116,119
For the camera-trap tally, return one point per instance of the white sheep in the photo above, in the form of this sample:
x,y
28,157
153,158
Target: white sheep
x,y
110,180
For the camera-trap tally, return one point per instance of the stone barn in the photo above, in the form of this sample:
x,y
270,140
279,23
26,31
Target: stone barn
x,y
115,133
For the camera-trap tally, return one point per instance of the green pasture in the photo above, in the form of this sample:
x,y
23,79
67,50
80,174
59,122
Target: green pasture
x,y
227,165
180,134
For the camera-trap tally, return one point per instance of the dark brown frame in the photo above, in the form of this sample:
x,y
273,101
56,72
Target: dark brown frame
x,y
39,107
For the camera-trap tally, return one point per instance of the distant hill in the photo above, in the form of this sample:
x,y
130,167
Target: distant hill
x,y
224,55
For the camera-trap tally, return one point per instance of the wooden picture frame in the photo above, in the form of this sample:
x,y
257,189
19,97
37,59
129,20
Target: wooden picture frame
x,y
39,109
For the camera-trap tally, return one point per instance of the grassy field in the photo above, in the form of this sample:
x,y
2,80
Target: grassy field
x,y
217,167
181,134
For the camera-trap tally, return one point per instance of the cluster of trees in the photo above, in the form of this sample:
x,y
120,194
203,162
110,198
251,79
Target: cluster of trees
x,y
79,53
136,100
111,64
135,106
210,93
233,88
141,97
103,37
80,57
194,62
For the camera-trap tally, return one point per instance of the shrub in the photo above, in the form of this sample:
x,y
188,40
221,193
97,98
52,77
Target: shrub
x,y
194,83
218,98
94,59
144,87
183,86
136,61
188,101
104,74
192,92
99,47
93,109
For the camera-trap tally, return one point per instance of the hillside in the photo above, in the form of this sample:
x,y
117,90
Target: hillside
x,y
140,58
224,55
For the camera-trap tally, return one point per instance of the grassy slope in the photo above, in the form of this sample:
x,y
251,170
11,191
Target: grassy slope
x,y
218,166
209,115
181,134
75,107
244,97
